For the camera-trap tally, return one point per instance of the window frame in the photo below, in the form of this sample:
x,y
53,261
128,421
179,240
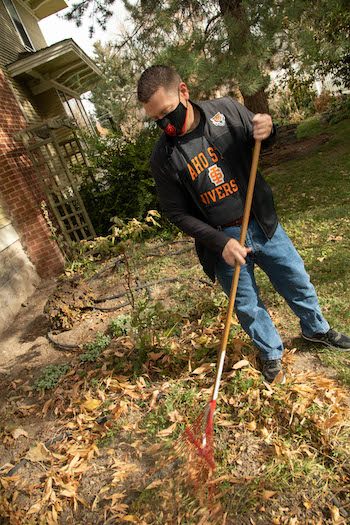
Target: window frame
x,y
8,5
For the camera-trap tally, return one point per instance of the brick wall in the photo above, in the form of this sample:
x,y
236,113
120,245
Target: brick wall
x,y
21,190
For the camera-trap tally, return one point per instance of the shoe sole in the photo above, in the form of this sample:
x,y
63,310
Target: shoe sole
x,y
325,344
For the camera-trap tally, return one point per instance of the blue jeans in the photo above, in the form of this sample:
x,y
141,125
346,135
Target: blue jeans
x,y
283,265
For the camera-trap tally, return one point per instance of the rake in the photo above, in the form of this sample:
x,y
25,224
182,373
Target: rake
x,y
197,440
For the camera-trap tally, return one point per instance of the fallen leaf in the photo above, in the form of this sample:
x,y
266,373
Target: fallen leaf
x,y
335,514
68,493
204,368
18,432
240,364
175,416
152,356
35,508
46,407
331,422
167,431
38,453
224,423
91,404
153,448
153,399
154,484
251,426
264,432
130,517
307,504
267,494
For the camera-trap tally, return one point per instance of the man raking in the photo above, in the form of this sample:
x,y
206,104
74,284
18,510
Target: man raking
x,y
201,166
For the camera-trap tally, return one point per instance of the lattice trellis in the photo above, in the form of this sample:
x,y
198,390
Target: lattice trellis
x,y
73,151
50,161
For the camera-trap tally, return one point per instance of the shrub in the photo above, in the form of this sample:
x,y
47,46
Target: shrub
x,y
292,100
118,181
322,101
338,109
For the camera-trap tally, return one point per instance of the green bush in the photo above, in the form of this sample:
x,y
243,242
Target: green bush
x,y
118,181
338,109
293,99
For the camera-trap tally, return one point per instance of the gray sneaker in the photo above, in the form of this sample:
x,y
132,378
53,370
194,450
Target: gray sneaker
x,y
272,371
331,338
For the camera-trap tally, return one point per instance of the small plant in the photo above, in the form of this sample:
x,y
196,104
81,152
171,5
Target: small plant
x,y
134,228
87,252
54,235
149,320
50,376
120,325
95,348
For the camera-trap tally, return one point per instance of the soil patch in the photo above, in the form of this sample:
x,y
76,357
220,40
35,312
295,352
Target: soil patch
x,y
295,149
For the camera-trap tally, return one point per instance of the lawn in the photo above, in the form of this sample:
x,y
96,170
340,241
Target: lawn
x,y
313,202
109,411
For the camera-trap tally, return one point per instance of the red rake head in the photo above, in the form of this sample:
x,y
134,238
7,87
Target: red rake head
x,y
197,441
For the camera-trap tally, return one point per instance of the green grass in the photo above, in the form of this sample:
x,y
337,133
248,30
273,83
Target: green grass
x,y
312,197
310,127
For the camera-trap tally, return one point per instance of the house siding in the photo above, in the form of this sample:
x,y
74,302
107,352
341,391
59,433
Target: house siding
x,y
32,26
10,47
10,42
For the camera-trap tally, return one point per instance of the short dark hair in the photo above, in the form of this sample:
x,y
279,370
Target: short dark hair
x,y
155,77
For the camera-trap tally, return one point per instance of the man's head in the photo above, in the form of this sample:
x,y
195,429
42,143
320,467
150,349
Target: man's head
x,y
164,97
154,78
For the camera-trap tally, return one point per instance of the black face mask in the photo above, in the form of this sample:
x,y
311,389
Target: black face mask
x,y
174,123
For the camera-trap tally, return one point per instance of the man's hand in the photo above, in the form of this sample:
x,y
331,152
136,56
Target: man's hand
x,y
234,252
262,126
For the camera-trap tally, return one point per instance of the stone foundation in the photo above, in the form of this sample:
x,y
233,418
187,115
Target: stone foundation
x,y
18,277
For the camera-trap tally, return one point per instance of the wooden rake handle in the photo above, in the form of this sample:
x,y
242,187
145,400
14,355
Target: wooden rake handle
x,y
232,297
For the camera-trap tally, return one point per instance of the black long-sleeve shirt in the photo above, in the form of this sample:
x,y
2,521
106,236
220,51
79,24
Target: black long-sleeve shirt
x,y
228,127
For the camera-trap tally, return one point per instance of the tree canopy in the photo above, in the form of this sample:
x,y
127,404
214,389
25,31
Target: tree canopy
x,y
226,45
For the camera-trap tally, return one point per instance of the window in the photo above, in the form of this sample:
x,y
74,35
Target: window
x,y
17,22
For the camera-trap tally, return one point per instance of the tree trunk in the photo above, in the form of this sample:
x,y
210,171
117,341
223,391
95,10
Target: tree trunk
x,y
257,103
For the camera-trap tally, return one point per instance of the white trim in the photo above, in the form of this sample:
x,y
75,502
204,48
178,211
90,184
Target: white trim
x,y
50,53
43,10
28,8
78,72
39,3
45,85
17,100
